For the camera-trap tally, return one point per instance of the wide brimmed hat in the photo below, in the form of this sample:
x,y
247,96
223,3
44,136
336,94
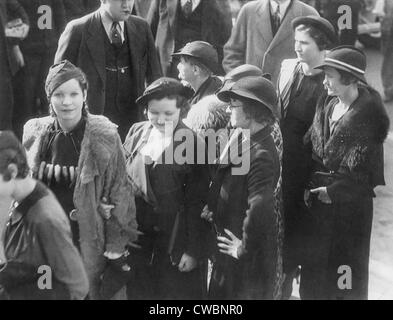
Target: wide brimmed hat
x,y
203,51
255,88
166,86
349,59
318,22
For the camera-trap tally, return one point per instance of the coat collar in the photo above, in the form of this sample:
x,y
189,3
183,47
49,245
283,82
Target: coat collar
x,y
230,153
265,27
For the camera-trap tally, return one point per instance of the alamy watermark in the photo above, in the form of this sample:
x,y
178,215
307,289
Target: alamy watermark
x,y
224,147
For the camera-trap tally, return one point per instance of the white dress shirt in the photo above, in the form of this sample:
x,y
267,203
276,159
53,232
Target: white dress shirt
x,y
107,22
195,3
283,7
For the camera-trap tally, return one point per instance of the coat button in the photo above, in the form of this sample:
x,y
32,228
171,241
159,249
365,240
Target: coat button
x,y
73,215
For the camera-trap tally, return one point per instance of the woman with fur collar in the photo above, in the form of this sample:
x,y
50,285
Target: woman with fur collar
x,y
79,156
347,137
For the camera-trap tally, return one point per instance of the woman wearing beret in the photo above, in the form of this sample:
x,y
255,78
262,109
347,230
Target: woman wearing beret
x,y
241,198
80,157
299,86
170,192
347,137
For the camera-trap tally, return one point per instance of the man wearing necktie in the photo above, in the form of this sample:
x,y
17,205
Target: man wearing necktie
x,y
116,51
263,35
175,23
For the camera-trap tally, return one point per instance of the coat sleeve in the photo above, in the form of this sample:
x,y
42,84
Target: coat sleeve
x,y
259,226
63,257
235,48
153,70
197,186
121,228
69,43
15,10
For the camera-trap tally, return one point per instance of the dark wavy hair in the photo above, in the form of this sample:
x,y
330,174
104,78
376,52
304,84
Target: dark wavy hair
x,y
320,38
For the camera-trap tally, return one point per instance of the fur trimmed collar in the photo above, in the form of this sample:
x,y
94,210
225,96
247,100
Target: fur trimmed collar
x,y
357,135
100,142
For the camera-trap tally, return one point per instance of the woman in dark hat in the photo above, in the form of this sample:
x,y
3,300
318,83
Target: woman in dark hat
x,y
36,236
170,190
80,157
347,137
241,202
299,87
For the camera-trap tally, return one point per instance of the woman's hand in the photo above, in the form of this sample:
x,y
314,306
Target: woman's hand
x,y
105,209
323,195
187,263
229,246
207,214
306,197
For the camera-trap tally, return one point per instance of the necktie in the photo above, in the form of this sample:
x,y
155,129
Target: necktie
x,y
187,8
276,20
115,35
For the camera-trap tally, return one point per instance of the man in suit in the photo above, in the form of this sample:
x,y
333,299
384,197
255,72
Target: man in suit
x,y
263,35
116,51
177,22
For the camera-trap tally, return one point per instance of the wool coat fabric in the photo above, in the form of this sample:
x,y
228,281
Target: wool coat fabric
x,y
101,174
252,40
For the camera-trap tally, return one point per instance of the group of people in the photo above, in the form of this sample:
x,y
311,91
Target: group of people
x,y
232,186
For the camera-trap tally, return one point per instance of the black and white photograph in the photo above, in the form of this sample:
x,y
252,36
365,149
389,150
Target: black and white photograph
x,y
193,152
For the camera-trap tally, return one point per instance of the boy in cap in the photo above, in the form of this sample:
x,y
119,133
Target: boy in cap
x,y
198,62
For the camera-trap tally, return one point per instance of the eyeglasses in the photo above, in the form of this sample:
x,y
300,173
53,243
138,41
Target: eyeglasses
x,y
231,106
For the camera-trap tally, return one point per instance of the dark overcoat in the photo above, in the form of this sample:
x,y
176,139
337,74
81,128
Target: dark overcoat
x,y
352,158
244,204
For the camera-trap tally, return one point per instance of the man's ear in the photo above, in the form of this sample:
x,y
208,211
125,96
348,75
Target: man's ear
x,y
11,172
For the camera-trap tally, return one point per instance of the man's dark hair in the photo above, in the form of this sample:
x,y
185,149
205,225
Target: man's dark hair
x,y
12,152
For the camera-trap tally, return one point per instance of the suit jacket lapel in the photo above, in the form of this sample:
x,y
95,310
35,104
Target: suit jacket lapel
x,y
264,25
95,44
285,30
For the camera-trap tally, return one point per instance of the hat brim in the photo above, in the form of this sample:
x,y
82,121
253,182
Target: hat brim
x,y
225,95
330,33
213,67
359,76
184,92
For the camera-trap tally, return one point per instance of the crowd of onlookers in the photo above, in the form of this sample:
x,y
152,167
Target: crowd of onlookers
x,y
101,96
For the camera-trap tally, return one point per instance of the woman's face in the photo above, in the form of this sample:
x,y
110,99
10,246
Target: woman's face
x,y
238,117
163,112
306,48
67,101
333,83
